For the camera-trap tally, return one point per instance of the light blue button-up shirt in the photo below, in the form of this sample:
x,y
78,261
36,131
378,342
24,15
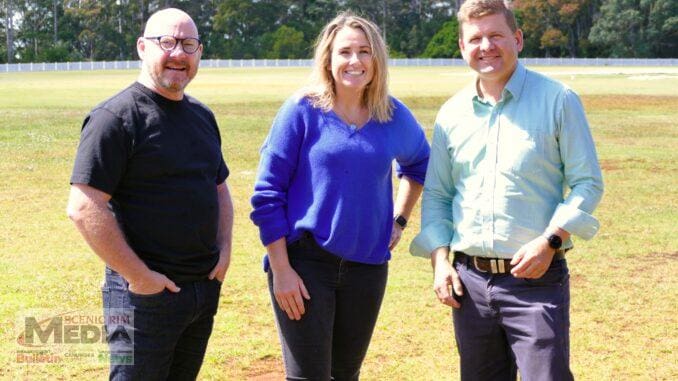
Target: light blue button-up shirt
x,y
499,175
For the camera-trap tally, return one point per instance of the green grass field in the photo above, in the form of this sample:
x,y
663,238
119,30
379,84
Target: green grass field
x,y
624,285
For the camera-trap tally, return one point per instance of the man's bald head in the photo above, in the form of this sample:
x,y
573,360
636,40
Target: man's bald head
x,y
158,23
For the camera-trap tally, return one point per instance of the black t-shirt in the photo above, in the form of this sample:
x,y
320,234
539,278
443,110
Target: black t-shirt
x,y
161,162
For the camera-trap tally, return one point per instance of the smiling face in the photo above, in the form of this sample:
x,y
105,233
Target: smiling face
x,y
490,47
351,61
168,72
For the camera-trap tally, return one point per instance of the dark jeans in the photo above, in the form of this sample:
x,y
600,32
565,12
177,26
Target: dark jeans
x,y
331,339
508,324
168,333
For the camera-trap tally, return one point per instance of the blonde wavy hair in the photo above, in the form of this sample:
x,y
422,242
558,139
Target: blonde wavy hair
x,y
321,91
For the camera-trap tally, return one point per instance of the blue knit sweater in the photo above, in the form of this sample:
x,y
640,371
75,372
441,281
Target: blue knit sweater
x,y
318,174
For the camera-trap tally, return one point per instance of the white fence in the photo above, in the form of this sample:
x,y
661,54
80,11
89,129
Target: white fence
x,y
230,63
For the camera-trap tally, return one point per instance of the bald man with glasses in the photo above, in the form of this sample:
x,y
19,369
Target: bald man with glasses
x,y
149,195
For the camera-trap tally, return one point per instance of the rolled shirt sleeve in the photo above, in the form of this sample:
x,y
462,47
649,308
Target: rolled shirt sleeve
x,y
575,221
581,171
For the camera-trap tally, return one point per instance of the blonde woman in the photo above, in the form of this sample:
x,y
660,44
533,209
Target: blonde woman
x,y
323,201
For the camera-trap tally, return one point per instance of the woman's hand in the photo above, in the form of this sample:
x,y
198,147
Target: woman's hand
x,y
288,289
396,233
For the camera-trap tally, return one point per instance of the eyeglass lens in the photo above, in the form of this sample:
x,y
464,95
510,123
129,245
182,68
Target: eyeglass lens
x,y
189,45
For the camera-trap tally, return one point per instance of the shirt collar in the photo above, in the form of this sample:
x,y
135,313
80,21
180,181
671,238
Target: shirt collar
x,y
514,86
516,82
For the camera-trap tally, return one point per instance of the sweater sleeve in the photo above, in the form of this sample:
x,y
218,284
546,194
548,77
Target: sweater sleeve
x,y
277,165
415,151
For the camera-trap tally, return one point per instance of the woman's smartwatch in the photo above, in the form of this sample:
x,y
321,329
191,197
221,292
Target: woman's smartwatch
x,y
400,220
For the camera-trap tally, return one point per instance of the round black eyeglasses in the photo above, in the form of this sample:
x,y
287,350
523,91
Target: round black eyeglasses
x,y
168,43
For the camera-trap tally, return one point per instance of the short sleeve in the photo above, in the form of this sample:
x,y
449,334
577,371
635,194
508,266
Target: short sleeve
x,y
103,151
222,172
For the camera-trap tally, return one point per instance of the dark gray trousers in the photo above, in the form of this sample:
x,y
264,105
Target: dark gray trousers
x,y
507,325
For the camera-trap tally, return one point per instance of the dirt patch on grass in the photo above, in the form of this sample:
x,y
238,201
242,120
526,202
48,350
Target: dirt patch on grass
x,y
662,257
268,368
655,268
619,164
578,280
273,376
609,165
629,102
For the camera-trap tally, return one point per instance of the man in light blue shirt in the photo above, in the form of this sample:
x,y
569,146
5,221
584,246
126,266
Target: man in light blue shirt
x,y
513,172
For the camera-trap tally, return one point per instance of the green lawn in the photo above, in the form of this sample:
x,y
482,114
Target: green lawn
x,y
624,283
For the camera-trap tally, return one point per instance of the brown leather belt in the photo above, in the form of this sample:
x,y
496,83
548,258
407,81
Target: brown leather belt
x,y
494,265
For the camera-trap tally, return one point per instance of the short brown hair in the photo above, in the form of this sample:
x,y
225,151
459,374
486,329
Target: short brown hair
x,y
375,96
472,9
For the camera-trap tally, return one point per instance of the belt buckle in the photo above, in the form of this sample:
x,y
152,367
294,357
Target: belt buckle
x,y
493,265
497,265
502,266
475,264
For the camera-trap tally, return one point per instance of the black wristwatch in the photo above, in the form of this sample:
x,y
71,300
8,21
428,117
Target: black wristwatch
x,y
400,220
555,242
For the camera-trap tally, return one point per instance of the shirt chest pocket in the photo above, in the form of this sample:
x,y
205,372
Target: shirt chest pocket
x,y
521,151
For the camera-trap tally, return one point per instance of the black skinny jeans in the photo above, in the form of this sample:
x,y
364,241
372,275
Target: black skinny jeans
x,y
331,339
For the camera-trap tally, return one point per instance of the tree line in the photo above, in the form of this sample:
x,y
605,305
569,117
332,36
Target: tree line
x,y
83,30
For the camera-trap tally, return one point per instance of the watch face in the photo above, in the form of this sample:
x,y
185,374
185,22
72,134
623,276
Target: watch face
x,y
400,220
555,241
